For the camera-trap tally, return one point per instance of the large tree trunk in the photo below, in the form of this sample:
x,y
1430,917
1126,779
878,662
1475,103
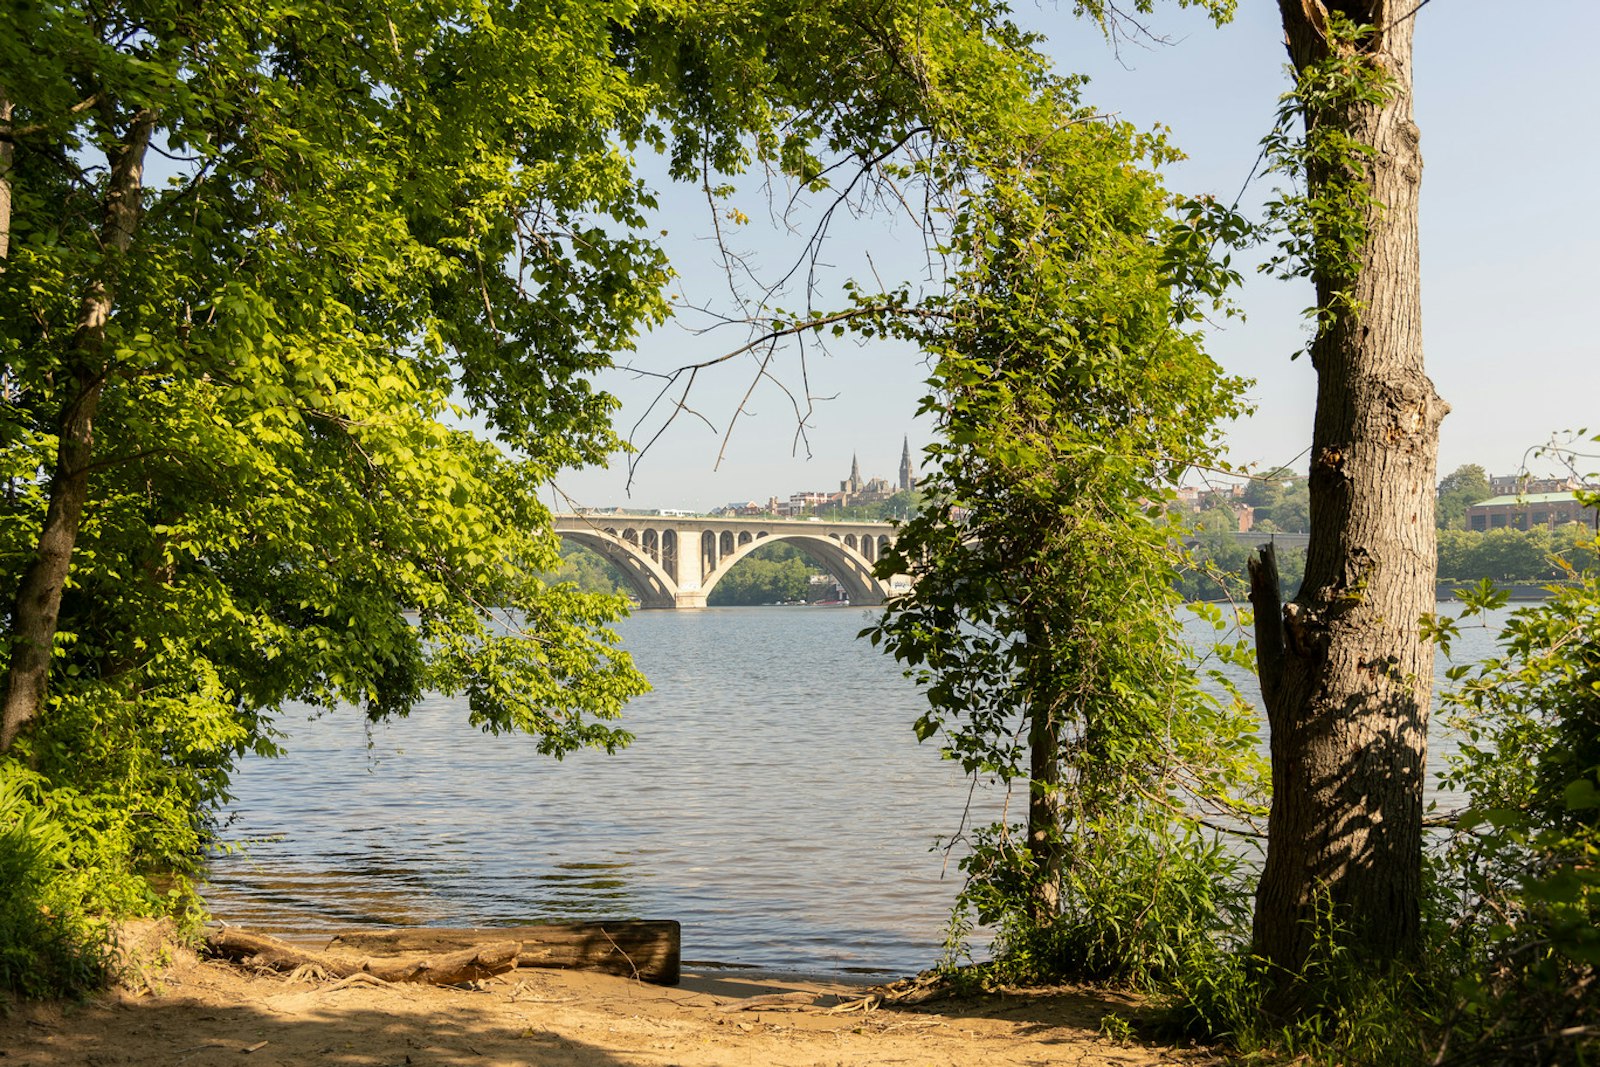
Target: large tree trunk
x,y
1345,675
38,603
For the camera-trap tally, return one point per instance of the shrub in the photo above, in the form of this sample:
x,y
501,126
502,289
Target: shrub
x,y
50,942
1527,850
1142,901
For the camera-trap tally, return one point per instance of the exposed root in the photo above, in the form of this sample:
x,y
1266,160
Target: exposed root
x,y
359,978
307,972
927,986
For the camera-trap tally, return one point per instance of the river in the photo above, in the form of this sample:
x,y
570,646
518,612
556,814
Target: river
x,y
774,801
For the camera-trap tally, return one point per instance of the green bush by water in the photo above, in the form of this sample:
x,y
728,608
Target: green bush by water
x,y
51,941
107,795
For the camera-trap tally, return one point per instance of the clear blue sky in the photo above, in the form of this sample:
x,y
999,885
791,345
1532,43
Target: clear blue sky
x,y
1508,101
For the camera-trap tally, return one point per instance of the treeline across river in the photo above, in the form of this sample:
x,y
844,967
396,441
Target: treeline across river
x,y
1538,556
782,573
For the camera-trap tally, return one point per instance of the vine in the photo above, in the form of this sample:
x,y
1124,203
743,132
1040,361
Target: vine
x,y
1324,219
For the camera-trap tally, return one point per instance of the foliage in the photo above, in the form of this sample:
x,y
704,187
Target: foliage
x,y
372,224
1218,558
1146,899
1322,219
1281,501
771,574
278,482
1459,490
365,217
1041,624
1527,849
1508,555
49,944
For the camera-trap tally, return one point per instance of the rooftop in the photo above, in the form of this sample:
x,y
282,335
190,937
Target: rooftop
x,y
1525,498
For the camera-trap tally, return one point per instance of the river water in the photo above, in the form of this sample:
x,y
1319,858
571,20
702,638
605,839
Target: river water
x,y
774,801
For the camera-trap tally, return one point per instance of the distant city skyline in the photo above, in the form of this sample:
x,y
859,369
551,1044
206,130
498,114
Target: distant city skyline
x,y
1509,248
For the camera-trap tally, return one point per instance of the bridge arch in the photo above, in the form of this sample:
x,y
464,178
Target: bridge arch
x,y
643,574
675,561
849,567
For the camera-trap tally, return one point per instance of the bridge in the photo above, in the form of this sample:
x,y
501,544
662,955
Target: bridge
x,y
673,562
676,562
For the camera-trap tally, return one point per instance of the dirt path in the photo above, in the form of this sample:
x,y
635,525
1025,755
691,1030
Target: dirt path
x,y
206,1014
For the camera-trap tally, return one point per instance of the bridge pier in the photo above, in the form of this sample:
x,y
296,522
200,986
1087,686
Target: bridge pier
x,y
690,568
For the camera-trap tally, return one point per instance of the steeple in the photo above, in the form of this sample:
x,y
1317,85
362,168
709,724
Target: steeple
x,y
855,474
905,465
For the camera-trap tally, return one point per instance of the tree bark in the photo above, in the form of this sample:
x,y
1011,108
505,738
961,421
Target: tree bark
x,y
8,150
1044,780
646,949
35,612
477,961
1346,677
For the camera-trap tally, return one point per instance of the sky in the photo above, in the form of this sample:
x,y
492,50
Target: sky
x,y
1509,108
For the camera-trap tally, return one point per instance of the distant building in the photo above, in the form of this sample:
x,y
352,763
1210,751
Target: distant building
x,y
907,475
854,490
1526,510
743,509
800,503
1515,484
852,485
1195,499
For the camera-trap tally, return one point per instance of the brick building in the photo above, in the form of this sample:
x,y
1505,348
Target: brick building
x,y
1527,510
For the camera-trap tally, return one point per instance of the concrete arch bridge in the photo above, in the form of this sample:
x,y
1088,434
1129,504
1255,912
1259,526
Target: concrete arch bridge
x,y
676,562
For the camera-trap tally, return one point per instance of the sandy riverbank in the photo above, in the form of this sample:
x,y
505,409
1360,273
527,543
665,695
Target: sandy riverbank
x,y
199,1013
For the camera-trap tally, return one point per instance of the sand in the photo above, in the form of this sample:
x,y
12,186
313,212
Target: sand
x,y
181,1011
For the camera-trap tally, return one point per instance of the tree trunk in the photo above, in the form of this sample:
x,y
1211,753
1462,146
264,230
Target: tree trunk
x,y
1044,780
38,602
8,151
647,949
1345,675
476,961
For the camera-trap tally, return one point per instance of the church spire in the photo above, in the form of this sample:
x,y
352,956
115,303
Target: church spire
x,y
905,465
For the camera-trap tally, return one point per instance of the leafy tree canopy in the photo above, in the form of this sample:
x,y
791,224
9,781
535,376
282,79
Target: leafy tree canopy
x,y
1459,490
370,215
1281,501
1069,398
259,265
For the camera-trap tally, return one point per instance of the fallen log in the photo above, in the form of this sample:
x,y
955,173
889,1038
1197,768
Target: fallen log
x,y
476,961
646,949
